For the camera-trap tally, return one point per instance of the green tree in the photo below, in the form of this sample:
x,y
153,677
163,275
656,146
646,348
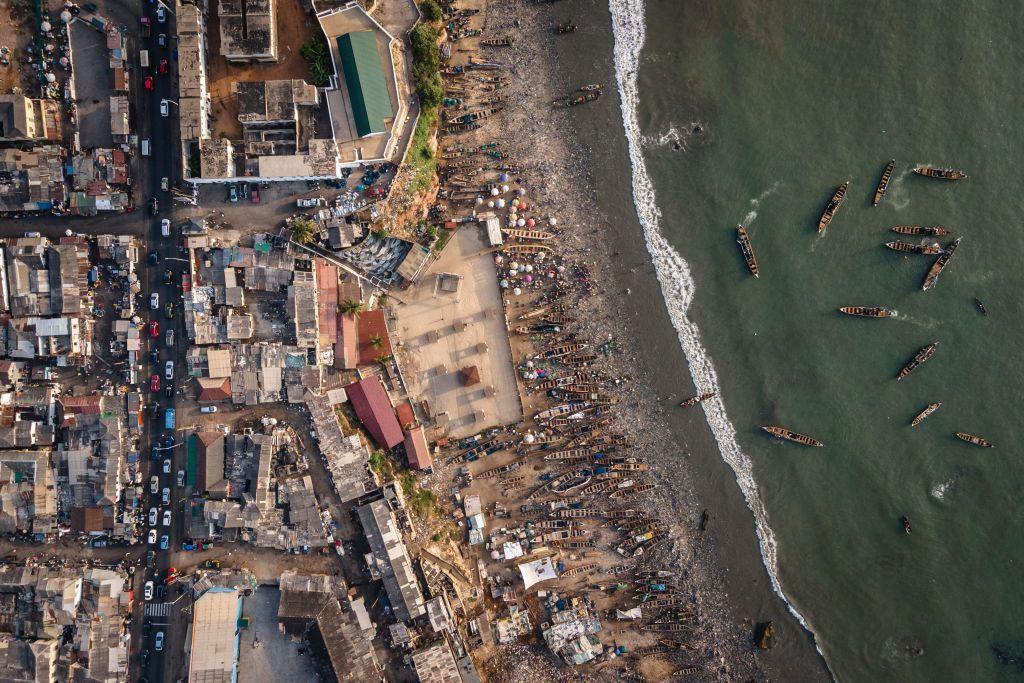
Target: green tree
x,y
431,10
382,360
376,341
352,307
302,230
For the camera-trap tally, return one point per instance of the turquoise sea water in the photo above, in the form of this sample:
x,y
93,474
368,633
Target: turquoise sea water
x,y
788,100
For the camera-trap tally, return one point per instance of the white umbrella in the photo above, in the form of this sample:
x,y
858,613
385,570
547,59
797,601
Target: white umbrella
x,y
494,192
553,221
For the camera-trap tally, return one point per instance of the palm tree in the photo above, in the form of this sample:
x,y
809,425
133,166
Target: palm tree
x,y
351,307
302,230
376,341
382,360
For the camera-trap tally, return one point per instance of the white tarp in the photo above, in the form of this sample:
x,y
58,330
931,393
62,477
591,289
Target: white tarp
x,y
634,613
537,571
512,549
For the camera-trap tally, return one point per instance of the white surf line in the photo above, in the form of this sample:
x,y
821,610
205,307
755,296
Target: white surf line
x,y
677,285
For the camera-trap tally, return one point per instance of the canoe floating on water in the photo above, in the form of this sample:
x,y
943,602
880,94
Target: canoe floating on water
x,y
789,435
940,264
922,356
868,311
883,182
934,231
748,251
972,439
911,248
833,205
940,173
932,407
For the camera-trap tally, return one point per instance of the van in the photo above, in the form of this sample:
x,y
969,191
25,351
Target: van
x,y
145,147
144,59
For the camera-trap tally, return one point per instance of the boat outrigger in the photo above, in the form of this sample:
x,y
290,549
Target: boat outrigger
x,y
832,207
883,182
933,231
906,523
868,311
940,173
940,264
474,116
700,398
910,248
748,251
922,355
788,435
567,27
497,42
592,87
932,407
981,306
972,439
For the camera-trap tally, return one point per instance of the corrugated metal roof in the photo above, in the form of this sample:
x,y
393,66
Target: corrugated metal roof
x,y
364,78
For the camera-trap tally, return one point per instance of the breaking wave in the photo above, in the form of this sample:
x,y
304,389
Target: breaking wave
x,y
677,284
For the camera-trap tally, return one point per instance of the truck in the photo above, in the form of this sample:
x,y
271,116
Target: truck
x,y
145,147
169,418
144,59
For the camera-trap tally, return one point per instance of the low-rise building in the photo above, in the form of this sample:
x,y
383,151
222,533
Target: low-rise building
x,y
215,636
389,559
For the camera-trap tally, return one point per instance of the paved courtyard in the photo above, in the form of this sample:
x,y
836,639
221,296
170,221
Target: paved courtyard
x,y
276,656
451,321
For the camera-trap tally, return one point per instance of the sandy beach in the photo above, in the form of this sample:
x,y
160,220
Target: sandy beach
x,y
557,157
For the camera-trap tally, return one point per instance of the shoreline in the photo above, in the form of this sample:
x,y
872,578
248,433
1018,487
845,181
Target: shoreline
x,y
559,186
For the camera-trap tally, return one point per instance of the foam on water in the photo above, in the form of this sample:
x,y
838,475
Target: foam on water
x,y
755,203
677,284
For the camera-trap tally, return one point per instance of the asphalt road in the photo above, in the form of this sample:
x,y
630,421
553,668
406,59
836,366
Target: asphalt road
x,y
167,664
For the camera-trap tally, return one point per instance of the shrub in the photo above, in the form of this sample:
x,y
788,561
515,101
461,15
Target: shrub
x,y
431,10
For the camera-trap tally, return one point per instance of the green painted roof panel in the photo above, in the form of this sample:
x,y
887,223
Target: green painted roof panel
x,y
364,78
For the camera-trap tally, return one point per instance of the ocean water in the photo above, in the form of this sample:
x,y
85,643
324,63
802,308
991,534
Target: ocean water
x,y
751,112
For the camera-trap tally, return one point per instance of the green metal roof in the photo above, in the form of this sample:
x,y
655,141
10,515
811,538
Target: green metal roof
x,y
364,79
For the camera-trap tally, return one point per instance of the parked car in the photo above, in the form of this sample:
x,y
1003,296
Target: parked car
x,y
208,409
167,518
161,14
154,300
243,190
154,203
161,40
167,465
147,591
150,559
165,223
154,356
232,193
254,194
188,546
165,496
169,390
169,310
154,382
211,564
165,184
152,516
154,258
165,108
158,642
168,276
169,369
154,484
164,542
181,478
163,66
170,338
152,536
147,82
154,329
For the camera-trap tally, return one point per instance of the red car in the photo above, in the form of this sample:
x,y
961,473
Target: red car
x,y
162,68
254,195
374,192
148,82
154,329
154,383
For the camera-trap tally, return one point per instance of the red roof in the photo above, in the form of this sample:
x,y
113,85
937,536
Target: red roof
x,y
405,415
371,324
416,449
209,390
327,301
346,349
374,410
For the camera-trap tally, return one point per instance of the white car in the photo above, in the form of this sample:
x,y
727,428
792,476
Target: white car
x,y
161,14
167,518
181,477
165,495
147,591
154,300
152,537
165,225
169,370
170,338
165,108
152,516
167,465
154,484
158,643
208,409
165,184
